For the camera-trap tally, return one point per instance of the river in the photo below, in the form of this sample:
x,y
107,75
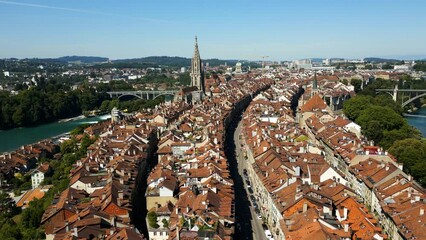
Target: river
x,y
418,122
14,138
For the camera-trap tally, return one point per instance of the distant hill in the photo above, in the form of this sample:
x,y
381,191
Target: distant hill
x,y
68,59
158,60
83,59
173,61
383,60
318,60
152,61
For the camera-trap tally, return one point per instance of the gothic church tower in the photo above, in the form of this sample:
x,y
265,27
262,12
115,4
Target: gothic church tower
x,y
197,72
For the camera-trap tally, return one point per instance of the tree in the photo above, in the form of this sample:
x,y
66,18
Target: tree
x,y
406,131
354,106
31,216
386,100
357,83
374,120
68,146
7,206
152,219
165,223
10,231
19,117
412,153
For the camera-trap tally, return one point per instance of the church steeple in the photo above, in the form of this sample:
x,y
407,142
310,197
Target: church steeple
x,y
314,85
196,51
197,73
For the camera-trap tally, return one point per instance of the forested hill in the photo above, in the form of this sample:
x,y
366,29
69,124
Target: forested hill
x,y
83,59
375,59
152,61
173,61
68,59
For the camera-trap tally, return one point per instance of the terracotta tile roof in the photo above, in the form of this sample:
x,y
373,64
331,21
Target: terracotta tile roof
x,y
315,102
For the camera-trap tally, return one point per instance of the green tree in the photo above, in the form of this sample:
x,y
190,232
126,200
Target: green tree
x,y
412,153
406,131
31,216
152,219
19,117
386,100
354,106
374,120
357,83
7,206
68,146
10,231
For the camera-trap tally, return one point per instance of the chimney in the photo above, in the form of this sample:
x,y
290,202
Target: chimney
x,y
422,211
305,207
187,208
67,227
345,213
346,227
112,221
87,167
75,232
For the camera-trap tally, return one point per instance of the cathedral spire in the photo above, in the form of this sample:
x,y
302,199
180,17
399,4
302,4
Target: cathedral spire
x,y
197,73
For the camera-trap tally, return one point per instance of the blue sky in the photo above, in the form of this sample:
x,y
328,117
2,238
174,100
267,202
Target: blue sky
x,y
226,29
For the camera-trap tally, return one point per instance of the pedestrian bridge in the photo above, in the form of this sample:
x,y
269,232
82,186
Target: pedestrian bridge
x,y
147,95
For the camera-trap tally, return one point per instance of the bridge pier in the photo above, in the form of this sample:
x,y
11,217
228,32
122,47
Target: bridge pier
x,y
395,93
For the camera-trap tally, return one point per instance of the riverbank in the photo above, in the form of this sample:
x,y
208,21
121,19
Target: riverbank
x,y
14,138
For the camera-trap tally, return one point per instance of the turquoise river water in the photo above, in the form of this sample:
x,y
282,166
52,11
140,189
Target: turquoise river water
x,y
14,138
420,121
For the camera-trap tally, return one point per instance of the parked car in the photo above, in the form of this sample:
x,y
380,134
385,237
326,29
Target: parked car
x,y
268,234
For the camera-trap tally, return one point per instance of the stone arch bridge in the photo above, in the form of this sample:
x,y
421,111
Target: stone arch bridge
x,y
413,93
147,95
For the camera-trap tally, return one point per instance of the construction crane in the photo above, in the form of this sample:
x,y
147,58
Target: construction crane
x,y
263,63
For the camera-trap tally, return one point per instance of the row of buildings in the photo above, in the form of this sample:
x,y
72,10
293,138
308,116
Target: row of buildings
x,y
190,193
315,177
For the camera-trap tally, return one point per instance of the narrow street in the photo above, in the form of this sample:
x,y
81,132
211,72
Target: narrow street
x,y
247,225
258,232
